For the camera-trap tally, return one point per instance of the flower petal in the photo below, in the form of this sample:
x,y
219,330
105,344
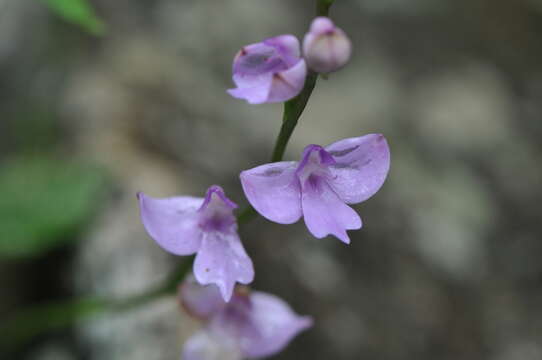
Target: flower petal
x,y
172,222
288,83
321,25
205,345
324,212
271,325
273,190
222,260
259,58
252,88
287,46
362,165
198,300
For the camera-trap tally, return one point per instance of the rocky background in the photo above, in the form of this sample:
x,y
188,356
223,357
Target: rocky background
x,y
449,262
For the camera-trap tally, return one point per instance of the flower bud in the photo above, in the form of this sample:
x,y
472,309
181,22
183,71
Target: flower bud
x,y
326,47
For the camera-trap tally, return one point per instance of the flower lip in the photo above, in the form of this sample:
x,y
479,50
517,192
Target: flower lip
x,y
215,189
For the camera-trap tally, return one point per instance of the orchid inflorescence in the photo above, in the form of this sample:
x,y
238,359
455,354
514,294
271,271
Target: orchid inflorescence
x,y
244,324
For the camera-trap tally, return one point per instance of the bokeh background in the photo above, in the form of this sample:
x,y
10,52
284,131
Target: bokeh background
x,y
449,262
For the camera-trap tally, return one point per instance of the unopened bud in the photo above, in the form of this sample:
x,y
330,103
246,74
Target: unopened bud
x,y
326,47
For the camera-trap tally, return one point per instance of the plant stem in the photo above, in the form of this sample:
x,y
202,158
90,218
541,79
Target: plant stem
x,y
292,112
322,7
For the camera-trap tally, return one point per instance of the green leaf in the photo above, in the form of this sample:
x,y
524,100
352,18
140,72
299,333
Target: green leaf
x,y
78,12
44,202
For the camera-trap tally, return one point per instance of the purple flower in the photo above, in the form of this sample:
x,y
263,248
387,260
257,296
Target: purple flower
x,y
326,47
186,225
252,325
318,187
270,71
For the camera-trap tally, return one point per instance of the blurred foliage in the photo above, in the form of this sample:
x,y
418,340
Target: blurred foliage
x,y
45,200
78,12
20,328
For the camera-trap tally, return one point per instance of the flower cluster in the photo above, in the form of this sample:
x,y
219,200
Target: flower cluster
x,y
274,71
319,187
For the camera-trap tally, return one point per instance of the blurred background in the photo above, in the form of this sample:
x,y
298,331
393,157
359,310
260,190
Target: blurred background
x,y
102,101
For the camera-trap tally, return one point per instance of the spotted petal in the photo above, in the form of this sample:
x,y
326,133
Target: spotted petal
x,y
287,46
172,222
269,71
259,58
362,164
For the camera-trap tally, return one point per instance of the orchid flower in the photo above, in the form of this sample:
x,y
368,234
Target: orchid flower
x,y
320,186
252,325
187,225
269,71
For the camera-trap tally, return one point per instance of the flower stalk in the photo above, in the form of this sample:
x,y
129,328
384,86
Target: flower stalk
x,y
322,7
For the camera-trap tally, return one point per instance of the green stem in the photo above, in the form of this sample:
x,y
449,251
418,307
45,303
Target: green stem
x,y
292,112
246,215
322,7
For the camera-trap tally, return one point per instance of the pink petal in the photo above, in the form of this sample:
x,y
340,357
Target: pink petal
x,y
259,58
222,260
288,83
172,222
200,301
321,25
287,46
252,88
273,190
271,325
362,165
325,213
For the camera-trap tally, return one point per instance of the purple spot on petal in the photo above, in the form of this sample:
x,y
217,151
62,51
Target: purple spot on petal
x,y
272,172
313,183
339,153
367,162
345,166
